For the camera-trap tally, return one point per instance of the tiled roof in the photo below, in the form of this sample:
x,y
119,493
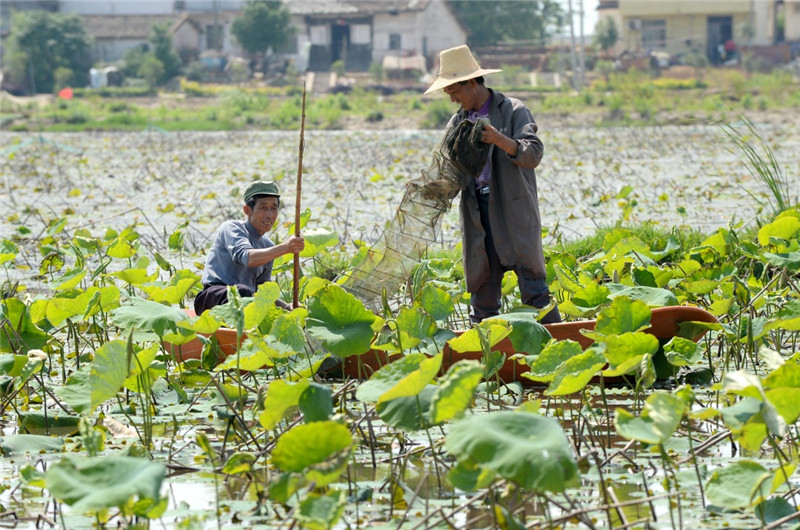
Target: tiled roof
x,y
125,26
353,7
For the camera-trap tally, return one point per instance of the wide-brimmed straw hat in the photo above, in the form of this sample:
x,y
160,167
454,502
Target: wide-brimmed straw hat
x,y
457,64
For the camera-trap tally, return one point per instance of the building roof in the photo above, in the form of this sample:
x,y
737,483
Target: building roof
x,y
125,26
353,7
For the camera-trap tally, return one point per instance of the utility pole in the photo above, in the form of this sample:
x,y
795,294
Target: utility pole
x,y
573,56
583,49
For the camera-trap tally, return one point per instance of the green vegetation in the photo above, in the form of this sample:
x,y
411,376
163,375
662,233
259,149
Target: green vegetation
x,y
628,98
103,404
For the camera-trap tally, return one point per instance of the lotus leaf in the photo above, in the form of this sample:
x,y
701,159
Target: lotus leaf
x,y
527,449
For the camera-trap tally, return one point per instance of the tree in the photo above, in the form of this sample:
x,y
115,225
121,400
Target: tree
x,y
162,49
40,43
496,21
152,70
605,33
263,24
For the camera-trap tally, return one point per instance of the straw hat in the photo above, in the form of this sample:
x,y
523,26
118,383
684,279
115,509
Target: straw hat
x,y
457,64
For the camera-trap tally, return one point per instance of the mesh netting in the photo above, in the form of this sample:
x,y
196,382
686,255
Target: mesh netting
x,y
388,263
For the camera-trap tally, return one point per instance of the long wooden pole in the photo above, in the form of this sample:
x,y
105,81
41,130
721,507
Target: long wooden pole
x,y
296,279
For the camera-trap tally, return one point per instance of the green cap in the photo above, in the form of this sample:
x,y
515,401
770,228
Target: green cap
x,y
261,188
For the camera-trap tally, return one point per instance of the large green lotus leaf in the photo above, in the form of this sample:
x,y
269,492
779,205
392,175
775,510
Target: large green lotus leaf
x,y
566,278
591,297
205,323
318,240
470,340
652,296
321,449
105,299
622,316
700,287
576,372
413,383
621,349
321,511
409,413
18,333
135,276
288,328
316,402
455,391
19,444
782,228
282,396
340,321
415,324
68,305
250,357
263,302
108,372
682,352
527,449
145,315
437,302
630,246
660,417
719,241
543,367
170,294
527,334
789,260
389,376
91,484
121,248
739,484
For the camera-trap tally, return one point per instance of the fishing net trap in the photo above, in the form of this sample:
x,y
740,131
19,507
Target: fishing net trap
x,y
389,261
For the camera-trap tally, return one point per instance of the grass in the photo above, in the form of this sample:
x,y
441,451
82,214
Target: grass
x,y
628,98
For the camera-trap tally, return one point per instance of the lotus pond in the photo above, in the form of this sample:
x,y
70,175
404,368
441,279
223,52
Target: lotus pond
x,y
102,245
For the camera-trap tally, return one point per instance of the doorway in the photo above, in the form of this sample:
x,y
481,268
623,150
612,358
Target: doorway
x,y
720,31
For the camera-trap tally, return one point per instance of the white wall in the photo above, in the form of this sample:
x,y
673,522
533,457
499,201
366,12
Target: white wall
x,y
144,7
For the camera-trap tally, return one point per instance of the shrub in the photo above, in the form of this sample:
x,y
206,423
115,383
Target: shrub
x,y
439,113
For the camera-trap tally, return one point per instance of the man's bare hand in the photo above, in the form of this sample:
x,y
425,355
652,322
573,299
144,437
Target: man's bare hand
x,y
294,244
493,136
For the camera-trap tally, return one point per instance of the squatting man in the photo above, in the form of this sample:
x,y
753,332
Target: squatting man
x,y
242,254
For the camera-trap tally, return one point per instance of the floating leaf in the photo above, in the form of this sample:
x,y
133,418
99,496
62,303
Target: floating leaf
x,y
92,484
739,484
19,444
527,449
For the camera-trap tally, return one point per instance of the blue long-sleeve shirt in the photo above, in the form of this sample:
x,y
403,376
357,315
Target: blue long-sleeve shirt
x,y
226,263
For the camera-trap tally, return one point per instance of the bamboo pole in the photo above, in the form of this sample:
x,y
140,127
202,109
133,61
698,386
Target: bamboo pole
x,y
296,274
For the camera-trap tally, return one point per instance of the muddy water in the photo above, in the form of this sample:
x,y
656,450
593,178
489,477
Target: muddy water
x,y
353,181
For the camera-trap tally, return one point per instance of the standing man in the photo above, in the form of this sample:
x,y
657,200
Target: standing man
x,y
501,226
242,255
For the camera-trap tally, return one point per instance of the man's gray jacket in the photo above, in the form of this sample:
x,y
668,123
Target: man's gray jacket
x,y
513,200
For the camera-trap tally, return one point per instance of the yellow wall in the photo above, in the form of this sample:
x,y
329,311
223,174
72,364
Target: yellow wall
x,y
653,8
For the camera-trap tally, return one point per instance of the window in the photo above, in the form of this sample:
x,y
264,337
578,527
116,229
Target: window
x,y
654,33
214,37
395,41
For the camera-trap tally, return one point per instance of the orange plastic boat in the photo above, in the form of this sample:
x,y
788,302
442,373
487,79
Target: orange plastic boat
x,y
664,324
